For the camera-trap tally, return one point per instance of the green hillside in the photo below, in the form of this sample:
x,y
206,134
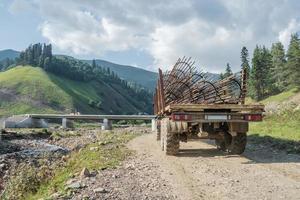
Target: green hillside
x,y
282,120
137,75
26,89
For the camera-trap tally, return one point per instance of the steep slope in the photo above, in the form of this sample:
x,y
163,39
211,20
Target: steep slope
x,y
26,89
140,76
8,53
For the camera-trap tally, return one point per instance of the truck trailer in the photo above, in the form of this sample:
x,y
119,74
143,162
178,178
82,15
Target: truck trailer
x,y
189,104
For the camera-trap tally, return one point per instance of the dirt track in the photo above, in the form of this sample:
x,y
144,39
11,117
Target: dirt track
x,y
202,172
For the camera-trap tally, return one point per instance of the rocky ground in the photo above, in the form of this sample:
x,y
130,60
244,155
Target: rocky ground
x,y
26,148
198,172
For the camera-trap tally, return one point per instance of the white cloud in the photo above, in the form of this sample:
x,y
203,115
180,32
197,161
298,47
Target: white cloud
x,y
285,34
210,31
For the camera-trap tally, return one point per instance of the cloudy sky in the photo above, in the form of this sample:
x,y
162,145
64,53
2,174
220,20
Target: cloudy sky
x,y
150,34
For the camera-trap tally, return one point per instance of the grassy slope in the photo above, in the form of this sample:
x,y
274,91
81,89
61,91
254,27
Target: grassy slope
x,y
280,97
34,90
284,126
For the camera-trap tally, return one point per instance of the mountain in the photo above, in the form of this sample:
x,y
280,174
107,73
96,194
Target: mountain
x,y
8,53
131,74
27,89
140,76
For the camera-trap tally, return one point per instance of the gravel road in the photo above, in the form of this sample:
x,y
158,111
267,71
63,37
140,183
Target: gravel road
x,y
202,172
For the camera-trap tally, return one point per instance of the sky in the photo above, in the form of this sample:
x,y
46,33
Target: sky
x,y
150,34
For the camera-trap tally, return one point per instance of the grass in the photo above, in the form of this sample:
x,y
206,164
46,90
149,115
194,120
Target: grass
x,y
107,156
35,91
283,129
284,126
280,97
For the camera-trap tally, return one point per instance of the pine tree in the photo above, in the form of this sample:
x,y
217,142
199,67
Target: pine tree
x,y
293,61
245,61
268,85
94,65
278,70
221,76
256,75
228,71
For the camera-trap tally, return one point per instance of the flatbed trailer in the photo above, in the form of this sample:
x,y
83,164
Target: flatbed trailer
x,y
187,106
227,124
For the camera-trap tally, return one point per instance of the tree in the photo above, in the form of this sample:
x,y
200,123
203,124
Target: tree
x,y
245,61
228,71
221,76
94,65
256,75
268,83
278,69
47,64
293,61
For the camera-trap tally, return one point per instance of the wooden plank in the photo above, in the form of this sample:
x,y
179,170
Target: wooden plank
x,y
201,107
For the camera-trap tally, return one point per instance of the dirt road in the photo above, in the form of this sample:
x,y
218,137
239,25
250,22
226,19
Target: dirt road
x,y
202,172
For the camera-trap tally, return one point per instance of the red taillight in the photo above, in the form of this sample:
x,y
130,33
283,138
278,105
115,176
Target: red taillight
x,y
181,117
254,117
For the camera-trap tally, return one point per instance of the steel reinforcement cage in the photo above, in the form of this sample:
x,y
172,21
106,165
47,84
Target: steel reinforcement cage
x,y
185,85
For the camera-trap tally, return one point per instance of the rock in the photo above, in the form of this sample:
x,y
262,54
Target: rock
x,y
55,195
130,166
2,166
84,173
93,173
100,190
114,176
94,148
85,197
64,158
76,185
72,180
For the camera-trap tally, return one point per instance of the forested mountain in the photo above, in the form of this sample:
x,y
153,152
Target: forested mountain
x,y
131,74
88,88
7,58
9,53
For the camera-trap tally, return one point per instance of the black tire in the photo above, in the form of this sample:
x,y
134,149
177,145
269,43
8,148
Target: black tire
x,y
171,145
223,142
238,144
158,133
220,143
162,142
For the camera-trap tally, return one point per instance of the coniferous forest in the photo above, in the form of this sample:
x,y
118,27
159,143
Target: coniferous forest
x,y
272,70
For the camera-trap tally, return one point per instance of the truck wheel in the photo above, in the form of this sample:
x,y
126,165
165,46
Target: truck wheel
x,y
238,144
162,143
171,145
158,133
220,143
224,141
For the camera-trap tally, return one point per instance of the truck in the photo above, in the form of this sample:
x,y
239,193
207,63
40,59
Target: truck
x,y
192,105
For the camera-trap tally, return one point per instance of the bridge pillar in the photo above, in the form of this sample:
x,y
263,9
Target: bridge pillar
x,y
106,125
64,122
153,124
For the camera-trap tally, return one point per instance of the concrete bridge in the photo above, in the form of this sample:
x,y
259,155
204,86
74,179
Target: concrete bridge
x,y
40,120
